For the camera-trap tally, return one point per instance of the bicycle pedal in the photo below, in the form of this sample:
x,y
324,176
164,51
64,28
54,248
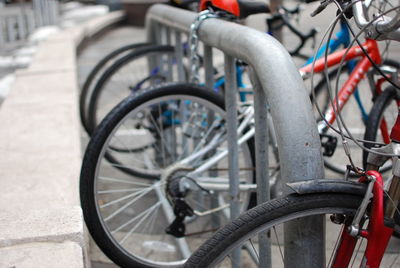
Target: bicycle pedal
x,y
328,144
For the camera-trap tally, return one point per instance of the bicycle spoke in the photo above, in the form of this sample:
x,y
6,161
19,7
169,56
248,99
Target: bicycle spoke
x,y
143,218
335,247
118,211
254,252
279,245
356,253
118,191
139,216
144,190
123,181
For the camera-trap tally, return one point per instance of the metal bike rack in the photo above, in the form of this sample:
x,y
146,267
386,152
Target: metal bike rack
x,y
278,82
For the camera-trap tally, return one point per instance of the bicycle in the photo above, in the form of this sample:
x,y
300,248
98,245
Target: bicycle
x,y
355,211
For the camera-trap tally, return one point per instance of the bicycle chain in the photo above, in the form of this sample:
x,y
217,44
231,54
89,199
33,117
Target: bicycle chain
x,y
194,40
194,44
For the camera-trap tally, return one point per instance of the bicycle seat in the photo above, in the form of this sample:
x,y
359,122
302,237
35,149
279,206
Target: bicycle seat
x,y
238,8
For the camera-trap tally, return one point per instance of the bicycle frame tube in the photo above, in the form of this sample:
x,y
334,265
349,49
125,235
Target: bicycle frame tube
x,y
341,38
356,75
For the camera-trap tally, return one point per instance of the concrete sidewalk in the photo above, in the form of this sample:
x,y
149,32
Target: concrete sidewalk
x,y
42,224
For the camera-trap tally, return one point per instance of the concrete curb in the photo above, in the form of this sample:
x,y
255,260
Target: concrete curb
x,y
42,223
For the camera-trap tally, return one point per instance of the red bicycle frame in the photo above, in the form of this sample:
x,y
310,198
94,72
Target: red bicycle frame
x,y
362,67
377,234
381,222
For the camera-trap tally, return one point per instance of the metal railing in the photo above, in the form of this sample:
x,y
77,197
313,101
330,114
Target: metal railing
x,y
276,82
18,21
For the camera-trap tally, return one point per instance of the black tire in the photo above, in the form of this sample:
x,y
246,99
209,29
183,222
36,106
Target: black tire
x,y
260,218
113,94
338,165
93,203
385,107
95,73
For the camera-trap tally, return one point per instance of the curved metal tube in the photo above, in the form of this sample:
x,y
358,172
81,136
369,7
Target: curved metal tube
x,y
359,15
297,136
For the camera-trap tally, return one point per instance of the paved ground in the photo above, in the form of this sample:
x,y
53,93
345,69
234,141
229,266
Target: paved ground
x,y
126,35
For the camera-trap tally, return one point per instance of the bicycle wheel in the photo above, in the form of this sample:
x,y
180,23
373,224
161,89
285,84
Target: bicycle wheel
x,y
355,117
381,119
138,70
128,215
269,218
94,75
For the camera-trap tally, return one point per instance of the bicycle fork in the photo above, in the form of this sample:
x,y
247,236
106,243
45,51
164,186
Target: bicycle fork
x,y
381,217
377,233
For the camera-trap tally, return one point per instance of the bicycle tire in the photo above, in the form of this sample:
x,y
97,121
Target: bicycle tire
x,y
260,218
380,110
127,84
330,162
98,69
93,205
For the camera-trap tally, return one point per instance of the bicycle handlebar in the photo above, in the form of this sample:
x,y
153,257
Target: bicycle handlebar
x,y
382,29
